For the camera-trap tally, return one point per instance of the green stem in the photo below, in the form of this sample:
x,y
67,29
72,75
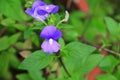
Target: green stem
x,y
44,23
115,53
62,63
60,59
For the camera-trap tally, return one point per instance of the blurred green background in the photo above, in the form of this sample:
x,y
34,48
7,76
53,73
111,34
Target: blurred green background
x,y
19,34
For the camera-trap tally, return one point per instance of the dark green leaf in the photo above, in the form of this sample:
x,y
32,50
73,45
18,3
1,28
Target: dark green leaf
x,y
37,60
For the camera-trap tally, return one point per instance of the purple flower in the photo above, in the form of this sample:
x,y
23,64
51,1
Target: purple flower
x,y
50,46
51,34
41,10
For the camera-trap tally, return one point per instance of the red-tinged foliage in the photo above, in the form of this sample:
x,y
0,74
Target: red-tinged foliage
x,y
96,71
103,52
83,5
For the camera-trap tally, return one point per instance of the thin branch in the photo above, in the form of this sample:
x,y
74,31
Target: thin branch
x,y
60,60
113,52
98,46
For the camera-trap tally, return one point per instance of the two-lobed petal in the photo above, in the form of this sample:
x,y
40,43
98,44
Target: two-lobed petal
x,y
51,32
50,47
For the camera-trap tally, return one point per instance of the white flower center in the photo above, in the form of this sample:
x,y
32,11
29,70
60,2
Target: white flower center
x,y
50,41
47,7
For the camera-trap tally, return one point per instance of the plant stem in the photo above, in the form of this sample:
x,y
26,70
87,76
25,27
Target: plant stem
x,y
98,46
62,63
115,53
60,60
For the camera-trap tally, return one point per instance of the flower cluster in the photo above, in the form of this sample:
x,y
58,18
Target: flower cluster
x,y
40,10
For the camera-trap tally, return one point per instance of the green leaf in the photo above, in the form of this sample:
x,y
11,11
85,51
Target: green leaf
x,y
90,62
106,77
77,53
65,26
35,39
94,27
37,60
70,35
112,25
14,38
36,75
117,73
62,43
23,77
4,66
77,49
8,22
13,59
108,63
20,27
4,42
12,9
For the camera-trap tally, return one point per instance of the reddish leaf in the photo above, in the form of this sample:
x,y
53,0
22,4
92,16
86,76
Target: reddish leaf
x,y
96,71
82,5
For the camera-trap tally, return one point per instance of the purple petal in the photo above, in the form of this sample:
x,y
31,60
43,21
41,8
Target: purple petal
x,y
29,11
50,46
39,11
40,15
51,32
38,3
53,8
49,8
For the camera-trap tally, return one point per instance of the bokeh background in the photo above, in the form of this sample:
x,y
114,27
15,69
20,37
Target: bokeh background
x,y
19,34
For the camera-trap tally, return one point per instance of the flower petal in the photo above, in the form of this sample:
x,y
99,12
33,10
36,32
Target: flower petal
x,y
39,14
40,17
29,11
38,3
53,8
49,47
49,8
51,32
